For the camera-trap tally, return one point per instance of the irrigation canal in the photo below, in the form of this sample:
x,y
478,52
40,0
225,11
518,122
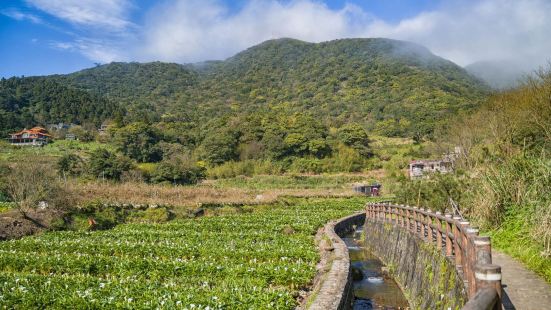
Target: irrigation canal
x,y
373,287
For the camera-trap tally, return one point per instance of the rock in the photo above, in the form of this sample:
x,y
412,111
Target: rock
x,y
199,212
357,274
362,304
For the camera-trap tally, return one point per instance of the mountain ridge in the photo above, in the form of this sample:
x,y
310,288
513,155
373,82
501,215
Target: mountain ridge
x,y
375,81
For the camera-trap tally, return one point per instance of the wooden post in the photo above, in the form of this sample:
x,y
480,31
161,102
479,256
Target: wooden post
x,y
439,231
401,215
457,244
429,226
424,224
471,234
464,224
449,245
489,276
415,216
483,250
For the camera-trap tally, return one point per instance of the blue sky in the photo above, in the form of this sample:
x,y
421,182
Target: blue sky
x,y
59,36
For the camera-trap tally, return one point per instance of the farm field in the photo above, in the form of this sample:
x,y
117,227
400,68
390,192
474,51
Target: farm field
x,y
259,257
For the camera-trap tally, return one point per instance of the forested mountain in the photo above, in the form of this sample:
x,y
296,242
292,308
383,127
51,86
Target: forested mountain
x,y
281,99
395,87
133,81
400,86
25,102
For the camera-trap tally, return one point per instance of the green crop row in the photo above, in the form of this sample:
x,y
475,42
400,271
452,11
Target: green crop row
x,y
257,260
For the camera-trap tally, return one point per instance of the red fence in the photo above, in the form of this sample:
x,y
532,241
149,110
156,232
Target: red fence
x,y
456,239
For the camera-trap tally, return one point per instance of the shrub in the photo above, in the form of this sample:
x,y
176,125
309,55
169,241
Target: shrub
x,y
344,159
70,165
150,215
177,172
305,165
233,169
107,165
433,193
31,182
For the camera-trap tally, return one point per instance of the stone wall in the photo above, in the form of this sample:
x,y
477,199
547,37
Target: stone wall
x,y
429,279
334,290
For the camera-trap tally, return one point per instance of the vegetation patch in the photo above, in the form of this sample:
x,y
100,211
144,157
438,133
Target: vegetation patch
x,y
237,261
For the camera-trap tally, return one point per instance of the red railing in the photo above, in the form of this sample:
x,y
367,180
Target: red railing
x,y
455,238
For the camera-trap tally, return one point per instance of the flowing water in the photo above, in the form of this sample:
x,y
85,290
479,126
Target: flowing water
x,y
373,288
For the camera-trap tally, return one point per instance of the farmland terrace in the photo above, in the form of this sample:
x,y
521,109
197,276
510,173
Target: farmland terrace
x,y
265,256
251,257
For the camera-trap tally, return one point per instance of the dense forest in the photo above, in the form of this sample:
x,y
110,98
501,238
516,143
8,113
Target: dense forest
x,y
26,102
295,103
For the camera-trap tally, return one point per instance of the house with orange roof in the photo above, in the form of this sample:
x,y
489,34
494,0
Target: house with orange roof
x,y
36,136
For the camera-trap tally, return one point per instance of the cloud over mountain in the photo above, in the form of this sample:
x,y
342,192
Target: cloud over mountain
x,y
194,30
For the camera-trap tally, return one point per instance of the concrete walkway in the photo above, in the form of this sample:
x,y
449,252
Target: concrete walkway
x,y
523,289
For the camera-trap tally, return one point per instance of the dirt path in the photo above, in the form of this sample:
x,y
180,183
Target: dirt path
x,y
524,290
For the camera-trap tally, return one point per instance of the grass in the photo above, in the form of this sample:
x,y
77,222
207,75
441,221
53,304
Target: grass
x,y
513,238
5,206
229,192
292,181
54,149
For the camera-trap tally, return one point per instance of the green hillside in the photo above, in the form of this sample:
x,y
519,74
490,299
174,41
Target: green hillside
x,y
396,87
366,80
134,81
284,100
25,102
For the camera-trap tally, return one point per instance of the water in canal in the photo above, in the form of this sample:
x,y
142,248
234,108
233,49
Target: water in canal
x,y
375,289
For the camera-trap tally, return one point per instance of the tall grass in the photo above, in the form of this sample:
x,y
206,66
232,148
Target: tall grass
x,y
233,191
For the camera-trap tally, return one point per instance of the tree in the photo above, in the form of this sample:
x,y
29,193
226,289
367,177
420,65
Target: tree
x,y
106,165
355,136
70,165
220,146
82,134
178,171
139,142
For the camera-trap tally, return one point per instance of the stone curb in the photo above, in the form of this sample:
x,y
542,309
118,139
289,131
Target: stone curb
x,y
335,288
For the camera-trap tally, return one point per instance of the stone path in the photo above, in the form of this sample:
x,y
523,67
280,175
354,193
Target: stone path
x,y
523,289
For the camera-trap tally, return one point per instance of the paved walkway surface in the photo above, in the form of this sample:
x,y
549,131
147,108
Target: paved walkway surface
x,y
523,289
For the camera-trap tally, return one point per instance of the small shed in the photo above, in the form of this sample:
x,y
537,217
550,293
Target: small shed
x,y
372,190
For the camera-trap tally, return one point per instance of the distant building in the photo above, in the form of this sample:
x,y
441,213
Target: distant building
x,y
421,168
36,136
369,190
59,126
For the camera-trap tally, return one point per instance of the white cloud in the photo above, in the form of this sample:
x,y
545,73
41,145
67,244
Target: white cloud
x,y
102,29
485,30
196,30
106,14
96,50
463,31
18,15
